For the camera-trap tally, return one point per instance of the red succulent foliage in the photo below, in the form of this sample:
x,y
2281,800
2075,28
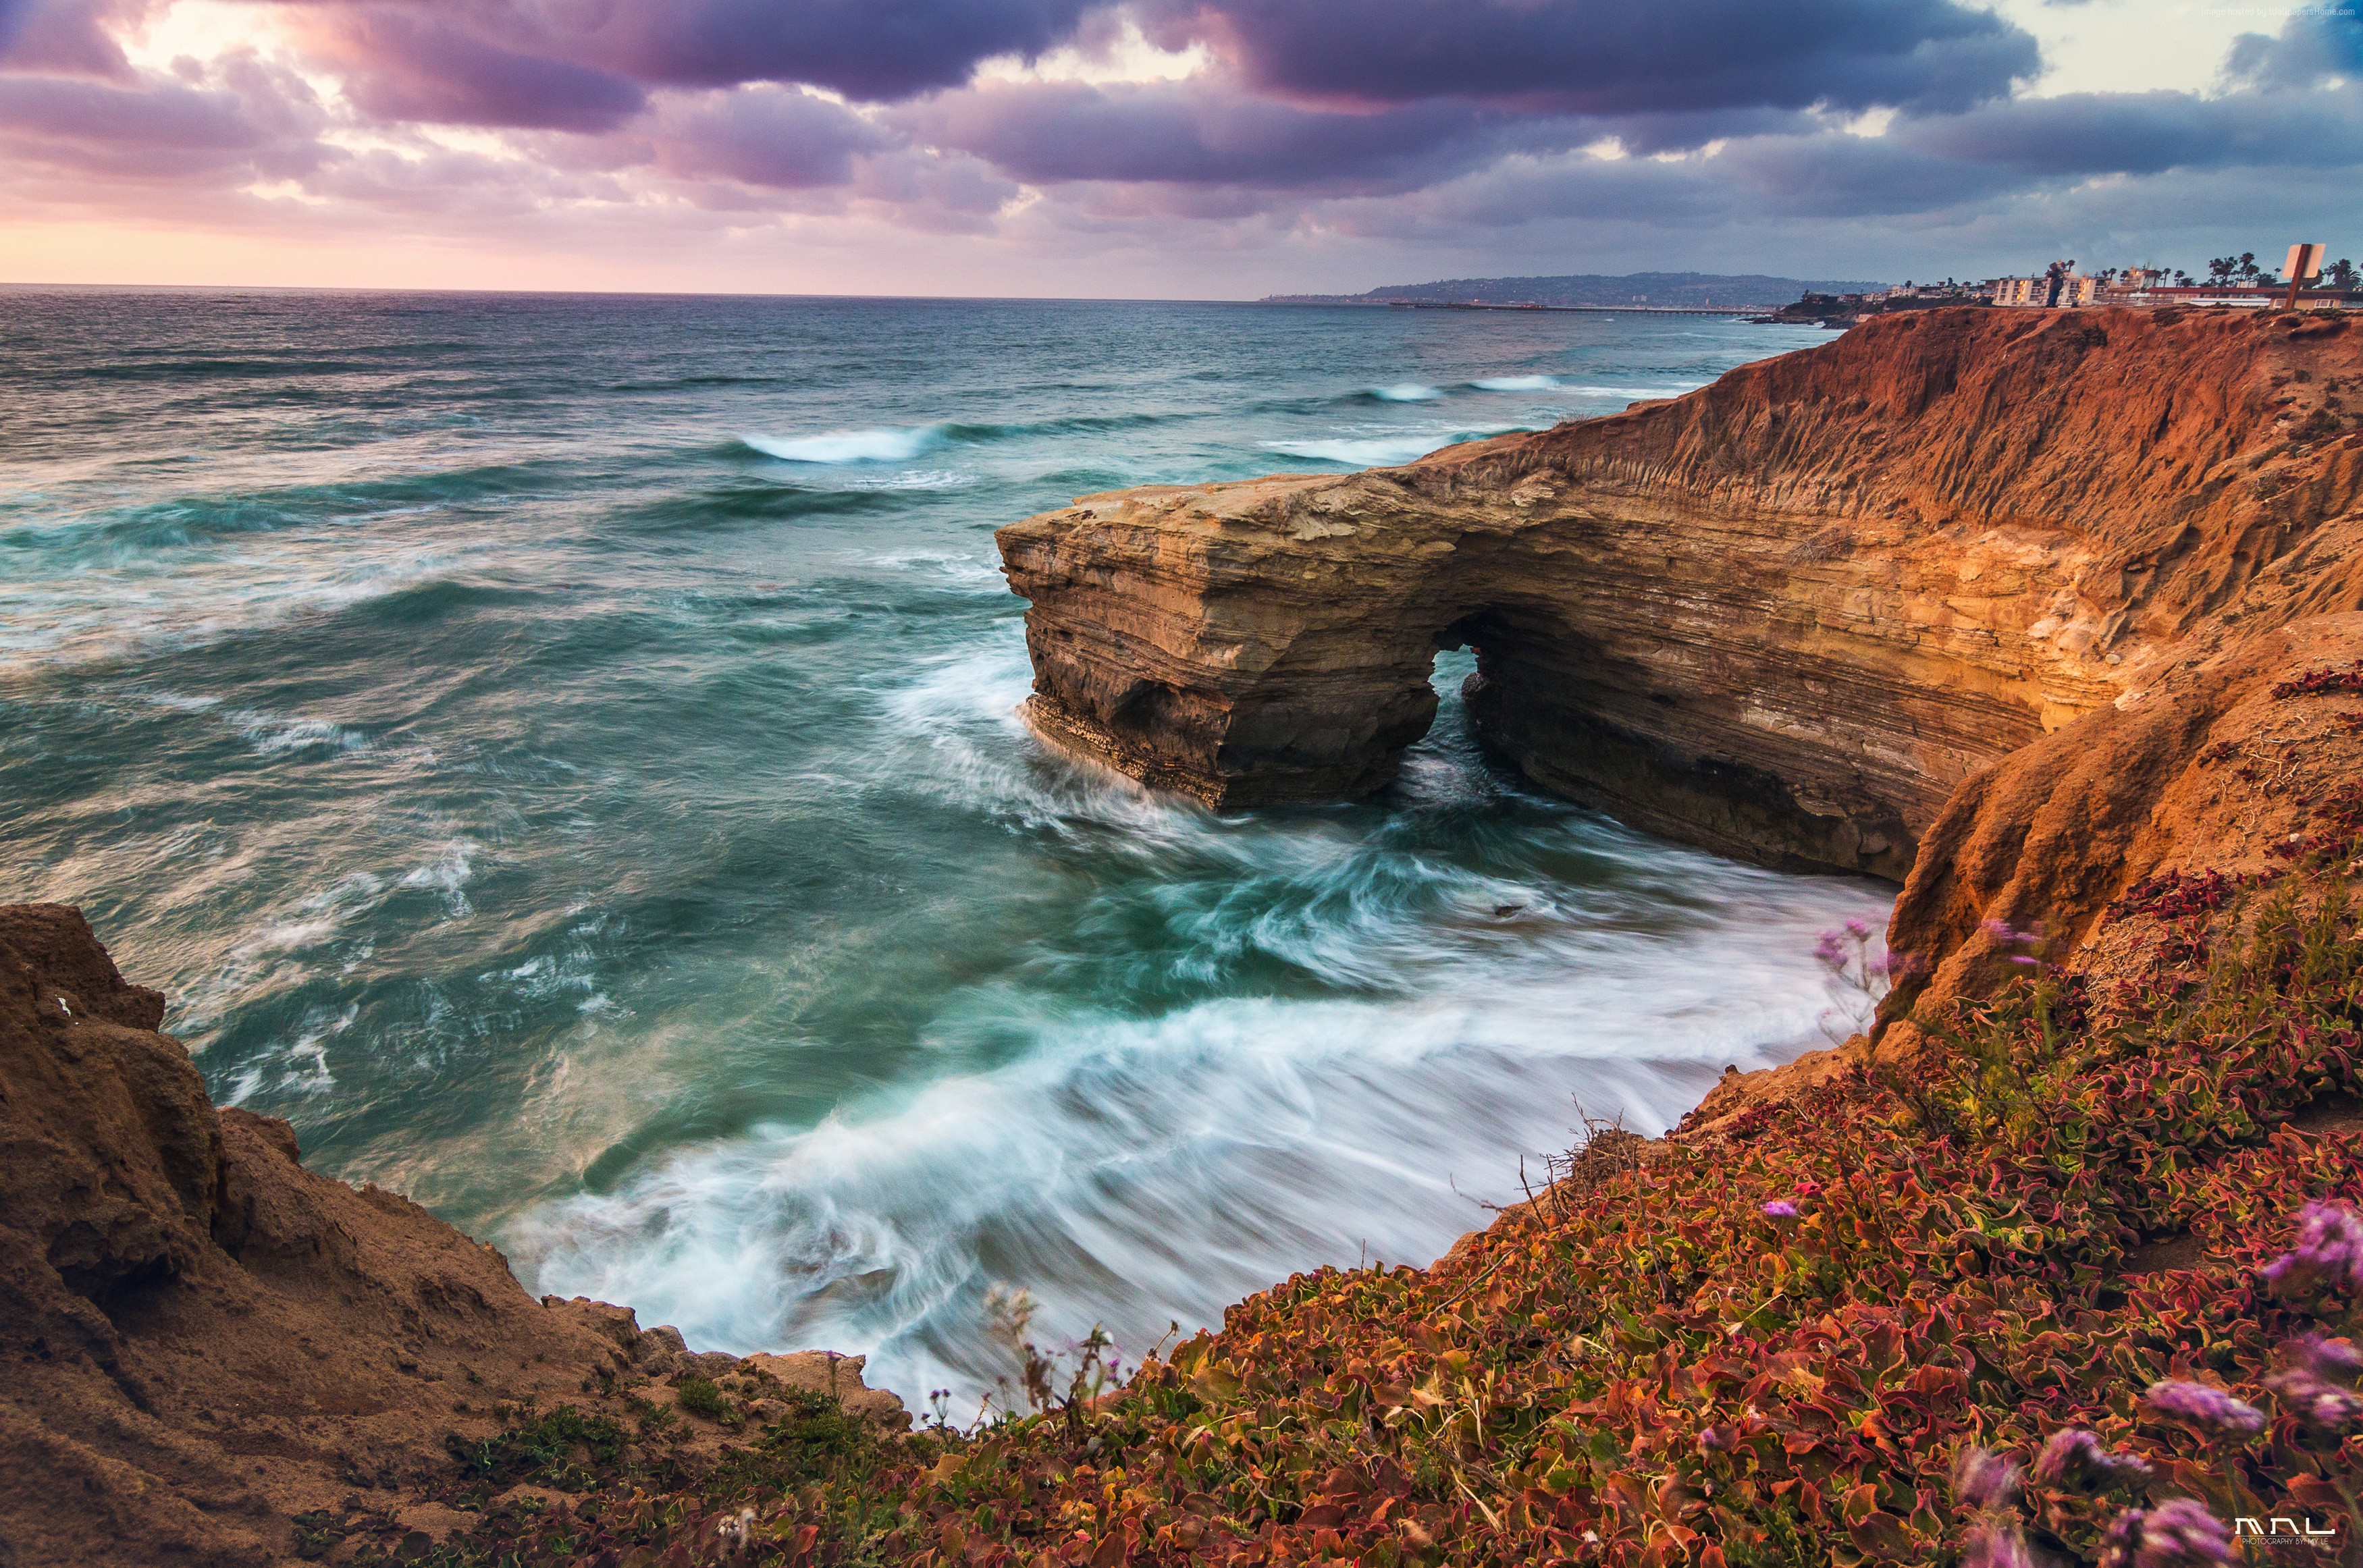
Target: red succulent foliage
x,y
2329,681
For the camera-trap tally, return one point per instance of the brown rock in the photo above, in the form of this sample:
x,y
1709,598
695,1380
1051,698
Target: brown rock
x,y
1784,616
199,1338
840,1378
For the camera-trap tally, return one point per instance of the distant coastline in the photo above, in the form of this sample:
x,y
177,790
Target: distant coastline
x,y
1663,290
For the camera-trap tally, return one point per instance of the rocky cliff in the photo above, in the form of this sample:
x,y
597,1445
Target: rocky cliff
x,y
203,1341
1789,615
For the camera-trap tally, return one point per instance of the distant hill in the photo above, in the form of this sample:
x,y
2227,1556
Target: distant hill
x,y
1594,288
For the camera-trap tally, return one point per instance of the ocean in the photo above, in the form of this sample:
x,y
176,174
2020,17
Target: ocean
x,y
561,752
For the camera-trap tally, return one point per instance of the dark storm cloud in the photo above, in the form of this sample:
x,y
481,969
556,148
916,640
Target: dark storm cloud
x,y
1612,56
476,64
1187,133
875,51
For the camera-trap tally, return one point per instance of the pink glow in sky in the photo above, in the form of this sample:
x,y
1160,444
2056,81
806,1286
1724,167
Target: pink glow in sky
x,y
1166,148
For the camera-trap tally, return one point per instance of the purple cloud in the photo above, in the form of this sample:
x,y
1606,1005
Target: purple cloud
x,y
1602,58
777,138
402,65
1194,133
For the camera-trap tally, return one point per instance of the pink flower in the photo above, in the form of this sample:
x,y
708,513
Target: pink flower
x,y
2074,1458
1781,1208
2179,1534
2316,1402
1983,1479
1997,1546
1857,929
2202,1406
2332,1361
2328,1254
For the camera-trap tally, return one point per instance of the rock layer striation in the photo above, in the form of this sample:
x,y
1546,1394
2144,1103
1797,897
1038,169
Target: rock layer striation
x,y
1786,616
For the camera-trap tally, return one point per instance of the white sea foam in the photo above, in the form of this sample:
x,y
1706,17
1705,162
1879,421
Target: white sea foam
x,y
1367,452
1675,390
1406,392
884,446
1133,1168
1516,384
1128,1170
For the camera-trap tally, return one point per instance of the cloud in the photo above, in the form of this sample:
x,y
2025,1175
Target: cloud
x,y
402,65
873,50
1197,133
244,121
1612,57
1487,135
774,138
71,36
2313,44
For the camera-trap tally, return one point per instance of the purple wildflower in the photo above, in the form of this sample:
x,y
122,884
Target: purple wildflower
x,y
1997,1546
2202,1406
2328,1254
2331,1360
2179,1534
1830,952
2316,1402
2074,1458
1857,929
1781,1208
1983,1479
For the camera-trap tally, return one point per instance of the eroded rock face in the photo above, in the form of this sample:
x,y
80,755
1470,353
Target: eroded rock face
x,y
200,1339
1785,617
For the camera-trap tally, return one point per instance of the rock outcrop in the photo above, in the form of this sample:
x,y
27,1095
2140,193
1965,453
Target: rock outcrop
x,y
1786,616
200,1339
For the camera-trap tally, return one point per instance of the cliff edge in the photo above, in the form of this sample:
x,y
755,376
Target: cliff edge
x,y
204,1341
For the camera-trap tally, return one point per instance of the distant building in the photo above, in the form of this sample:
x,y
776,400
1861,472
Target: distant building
x,y
2144,288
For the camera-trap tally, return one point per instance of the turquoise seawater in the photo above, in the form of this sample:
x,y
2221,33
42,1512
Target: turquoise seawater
x,y
561,752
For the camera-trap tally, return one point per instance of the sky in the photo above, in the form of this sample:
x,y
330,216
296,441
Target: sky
x,y
1159,148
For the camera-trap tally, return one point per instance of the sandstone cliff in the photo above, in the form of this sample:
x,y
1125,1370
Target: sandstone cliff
x,y
202,1340
1786,616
